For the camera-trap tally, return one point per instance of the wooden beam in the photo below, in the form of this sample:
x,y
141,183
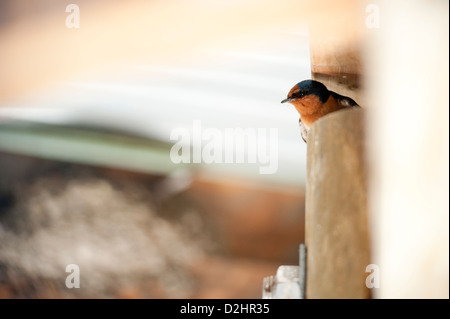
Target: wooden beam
x,y
336,208
336,31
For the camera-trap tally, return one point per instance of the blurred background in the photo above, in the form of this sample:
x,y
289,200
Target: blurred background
x,y
87,111
86,116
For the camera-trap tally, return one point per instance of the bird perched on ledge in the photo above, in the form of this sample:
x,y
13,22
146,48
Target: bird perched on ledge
x,y
313,100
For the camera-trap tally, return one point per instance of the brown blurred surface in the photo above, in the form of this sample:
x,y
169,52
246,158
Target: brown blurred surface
x,y
212,240
255,222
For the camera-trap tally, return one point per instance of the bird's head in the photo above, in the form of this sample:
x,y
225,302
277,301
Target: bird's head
x,y
307,88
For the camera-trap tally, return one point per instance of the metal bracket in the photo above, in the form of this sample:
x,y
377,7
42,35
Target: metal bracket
x,y
289,281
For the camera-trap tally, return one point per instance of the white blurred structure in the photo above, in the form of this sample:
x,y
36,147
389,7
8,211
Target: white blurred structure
x,y
408,77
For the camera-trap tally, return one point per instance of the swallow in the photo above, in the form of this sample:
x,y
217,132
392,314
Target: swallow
x,y
312,100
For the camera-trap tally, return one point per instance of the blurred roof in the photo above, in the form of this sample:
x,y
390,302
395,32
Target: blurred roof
x,y
144,68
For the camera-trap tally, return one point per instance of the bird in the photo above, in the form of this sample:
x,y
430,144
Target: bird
x,y
312,100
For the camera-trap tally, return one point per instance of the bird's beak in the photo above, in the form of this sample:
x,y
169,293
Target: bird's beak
x,y
287,100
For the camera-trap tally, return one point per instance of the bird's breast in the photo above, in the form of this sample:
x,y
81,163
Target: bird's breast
x,y
311,108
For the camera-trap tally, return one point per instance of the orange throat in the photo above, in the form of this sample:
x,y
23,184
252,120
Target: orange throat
x,y
311,108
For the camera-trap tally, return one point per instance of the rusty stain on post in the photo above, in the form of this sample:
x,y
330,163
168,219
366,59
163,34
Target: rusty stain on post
x,y
336,208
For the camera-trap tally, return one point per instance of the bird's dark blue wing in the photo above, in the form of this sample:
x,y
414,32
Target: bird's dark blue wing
x,y
344,101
